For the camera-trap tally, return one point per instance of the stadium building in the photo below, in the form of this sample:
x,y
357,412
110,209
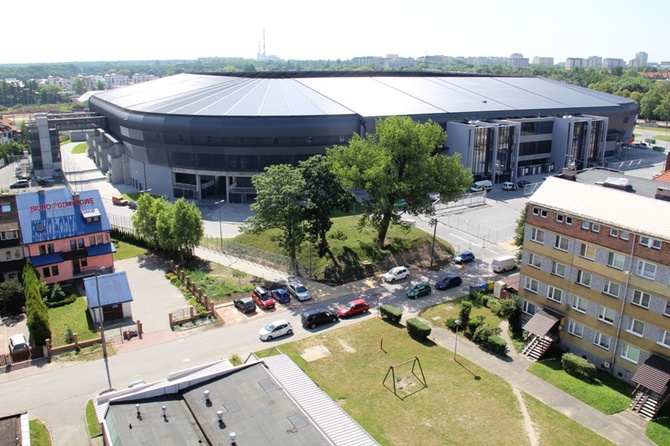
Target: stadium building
x,y
199,136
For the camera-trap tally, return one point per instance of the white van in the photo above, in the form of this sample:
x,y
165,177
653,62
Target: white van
x,y
482,185
504,263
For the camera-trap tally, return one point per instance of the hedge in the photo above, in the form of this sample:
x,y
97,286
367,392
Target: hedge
x,y
391,313
417,329
578,367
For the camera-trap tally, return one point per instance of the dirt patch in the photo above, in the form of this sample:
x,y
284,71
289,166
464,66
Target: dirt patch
x,y
313,353
345,345
406,383
527,422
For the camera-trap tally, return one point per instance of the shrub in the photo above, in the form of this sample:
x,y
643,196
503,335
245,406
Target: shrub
x,y
62,302
451,324
69,336
506,308
417,329
483,332
497,345
578,367
466,308
474,324
391,313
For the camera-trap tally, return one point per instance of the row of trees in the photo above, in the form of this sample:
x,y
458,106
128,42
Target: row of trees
x,y
37,315
174,228
398,167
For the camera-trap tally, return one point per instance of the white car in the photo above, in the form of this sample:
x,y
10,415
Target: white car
x,y
397,273
298,290
508,185
275,329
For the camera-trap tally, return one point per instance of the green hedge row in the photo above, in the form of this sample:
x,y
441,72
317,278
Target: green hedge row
x,y
417,329
391,313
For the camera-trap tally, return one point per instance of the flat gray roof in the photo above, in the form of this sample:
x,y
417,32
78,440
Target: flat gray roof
x,y
372,96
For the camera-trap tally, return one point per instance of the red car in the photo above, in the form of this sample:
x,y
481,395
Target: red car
x,y
353,308
262,298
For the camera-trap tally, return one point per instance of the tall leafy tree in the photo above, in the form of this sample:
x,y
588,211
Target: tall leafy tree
x,y
37,315
399,168
187,229
325,193
146,218
279,205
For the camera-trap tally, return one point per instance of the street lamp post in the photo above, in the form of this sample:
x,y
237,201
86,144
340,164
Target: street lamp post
x,y
433,222
101,328
458,324
219,204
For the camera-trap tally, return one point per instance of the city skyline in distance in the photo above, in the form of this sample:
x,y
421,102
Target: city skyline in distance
x,y
302,30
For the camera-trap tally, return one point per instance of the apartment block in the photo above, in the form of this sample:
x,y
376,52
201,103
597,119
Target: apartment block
x,y
595,280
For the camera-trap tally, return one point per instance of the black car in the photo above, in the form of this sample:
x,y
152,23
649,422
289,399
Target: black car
x,y
450,281
312,318
522,183
245,304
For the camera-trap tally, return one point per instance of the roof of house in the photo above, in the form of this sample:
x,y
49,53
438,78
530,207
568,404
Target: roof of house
x,y
114,289
266,402
369,95
541,323
608,206
54,213
654,374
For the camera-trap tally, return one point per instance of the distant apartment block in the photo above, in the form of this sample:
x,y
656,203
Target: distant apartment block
x,y
116,81
574,62
611,63
139,78
63,83
642,57
517,61
370,60
594,61
544,61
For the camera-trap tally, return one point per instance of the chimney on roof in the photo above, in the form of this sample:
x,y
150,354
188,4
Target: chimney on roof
x,y
569,174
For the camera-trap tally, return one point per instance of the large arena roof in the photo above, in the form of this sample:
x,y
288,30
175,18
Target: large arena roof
x,y
366,96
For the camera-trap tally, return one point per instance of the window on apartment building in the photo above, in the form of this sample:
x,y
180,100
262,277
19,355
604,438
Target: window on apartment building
x,y
91,240
606,315
73,245
579,304
50,248
584,278
646,270
528,307
558,269
6,207
9,235
561,243
664,338
46,272
98,239
587,251
615,260
568,221
543,213
586,225
612,288
575,329
666,311
602,340
80,242
641,299
17,253
531,284
636,327
650,242
630,353
554,294
595,227
624,235
614,232
560,218
8,255
42,249
535,261
83,262
535,211
537,235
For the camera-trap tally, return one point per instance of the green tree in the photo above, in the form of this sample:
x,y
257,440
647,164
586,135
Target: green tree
x,y
146,217
78,85
520,229
279,205
12,297
662,110
100,85
187,229
37,315
399,168
325,193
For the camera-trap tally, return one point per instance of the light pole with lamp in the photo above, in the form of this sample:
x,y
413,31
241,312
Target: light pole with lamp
x,y
433,223
219,204
101,328
458,324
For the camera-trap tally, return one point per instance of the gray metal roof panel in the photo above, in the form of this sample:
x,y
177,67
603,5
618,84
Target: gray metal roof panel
x,y
549,94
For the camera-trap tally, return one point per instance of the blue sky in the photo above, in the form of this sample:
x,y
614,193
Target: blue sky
x,y
81,30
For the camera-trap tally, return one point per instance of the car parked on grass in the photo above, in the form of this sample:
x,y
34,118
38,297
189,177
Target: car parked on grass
x,y
313,317
245,304
262,298
275,329
449,281
464,257
418,290
19,348
397,273
281,295
298,290
353,308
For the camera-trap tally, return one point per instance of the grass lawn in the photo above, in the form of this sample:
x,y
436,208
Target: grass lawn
x,y
658,430
125,250
461,405
92,420
607,394
79,148
353,246
438,314
39,434
76,317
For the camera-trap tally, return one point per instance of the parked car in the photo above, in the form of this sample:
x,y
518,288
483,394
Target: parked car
x,y
464,257
504,263
522,183
118,200
313,317
20,184
18,347
281,295
245,304
262,298
508,185
353,308
275,329
397,273
449,281
482,185
132,205
418,290
298,290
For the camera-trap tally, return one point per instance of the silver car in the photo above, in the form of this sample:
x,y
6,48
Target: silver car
x,y
298,290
